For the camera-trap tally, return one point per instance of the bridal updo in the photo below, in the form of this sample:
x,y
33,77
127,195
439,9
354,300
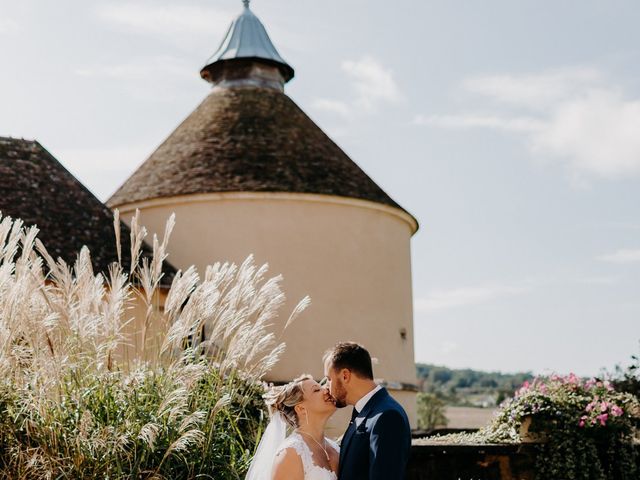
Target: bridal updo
x,y
284,398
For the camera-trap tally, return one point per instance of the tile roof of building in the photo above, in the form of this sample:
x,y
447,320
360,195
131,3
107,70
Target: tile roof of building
x,y
36,188
248,139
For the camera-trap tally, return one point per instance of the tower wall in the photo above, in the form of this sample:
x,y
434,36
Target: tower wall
x,y
352,257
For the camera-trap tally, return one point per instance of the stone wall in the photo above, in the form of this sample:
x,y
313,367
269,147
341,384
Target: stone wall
x,y
471,462
474,462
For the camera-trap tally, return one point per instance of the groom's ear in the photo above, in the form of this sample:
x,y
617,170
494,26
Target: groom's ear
x,y
345,373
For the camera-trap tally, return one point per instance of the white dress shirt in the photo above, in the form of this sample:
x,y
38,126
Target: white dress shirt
x,y
360,404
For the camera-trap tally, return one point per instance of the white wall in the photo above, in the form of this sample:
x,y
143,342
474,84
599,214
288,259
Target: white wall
x,y
351,256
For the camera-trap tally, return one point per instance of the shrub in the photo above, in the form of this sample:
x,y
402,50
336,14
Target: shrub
x,y
431,413
585,429
628,379
72,405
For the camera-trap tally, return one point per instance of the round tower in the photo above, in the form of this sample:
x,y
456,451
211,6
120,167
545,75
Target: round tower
x,y
248,172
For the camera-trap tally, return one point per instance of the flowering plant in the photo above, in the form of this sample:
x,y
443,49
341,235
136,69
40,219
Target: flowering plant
x,y
569,401
587,427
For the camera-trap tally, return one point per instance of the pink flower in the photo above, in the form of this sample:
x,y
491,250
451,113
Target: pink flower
x,y
616,411
603,418
590,383
583,419
589,407
604,406
523,389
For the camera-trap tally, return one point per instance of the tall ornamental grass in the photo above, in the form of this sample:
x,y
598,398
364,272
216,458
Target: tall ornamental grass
x,y
75,405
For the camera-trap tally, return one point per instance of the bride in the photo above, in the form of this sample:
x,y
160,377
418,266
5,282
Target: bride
x,y
306,454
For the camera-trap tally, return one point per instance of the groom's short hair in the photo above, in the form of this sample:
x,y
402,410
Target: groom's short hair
x,y
351,356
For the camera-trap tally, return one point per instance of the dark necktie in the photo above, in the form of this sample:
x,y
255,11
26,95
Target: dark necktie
x,y
354,414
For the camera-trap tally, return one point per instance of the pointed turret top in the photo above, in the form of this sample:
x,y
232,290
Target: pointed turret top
x,y
246,39
249,136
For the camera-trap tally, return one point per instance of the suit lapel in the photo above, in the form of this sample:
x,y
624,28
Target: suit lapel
x,y
362,416
373,401
347,435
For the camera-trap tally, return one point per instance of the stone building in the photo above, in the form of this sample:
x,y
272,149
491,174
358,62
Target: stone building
x,y
248,172
36,188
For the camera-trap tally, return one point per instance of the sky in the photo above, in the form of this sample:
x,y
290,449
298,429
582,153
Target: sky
x,y
511,130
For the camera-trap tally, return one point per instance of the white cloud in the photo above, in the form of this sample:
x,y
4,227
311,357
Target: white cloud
x,y
571,116
535,91
598,280
154,18
331,106
459,297
596,134
624,255
513,124
448,347
8,26
373,83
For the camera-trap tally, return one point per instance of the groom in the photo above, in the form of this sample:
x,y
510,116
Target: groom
x,y
377,442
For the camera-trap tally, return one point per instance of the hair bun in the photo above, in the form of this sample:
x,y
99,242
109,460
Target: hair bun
x,y
283,399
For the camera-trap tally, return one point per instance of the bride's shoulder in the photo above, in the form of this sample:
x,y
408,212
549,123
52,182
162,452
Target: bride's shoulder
x,y
292,442
288,460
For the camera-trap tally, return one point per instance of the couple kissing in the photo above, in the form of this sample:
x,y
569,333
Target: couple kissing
x,y
376,442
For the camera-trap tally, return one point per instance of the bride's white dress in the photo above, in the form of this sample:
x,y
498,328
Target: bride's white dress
x,y
311,470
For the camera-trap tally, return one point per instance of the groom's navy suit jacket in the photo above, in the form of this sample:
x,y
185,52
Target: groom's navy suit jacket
x,y
377,442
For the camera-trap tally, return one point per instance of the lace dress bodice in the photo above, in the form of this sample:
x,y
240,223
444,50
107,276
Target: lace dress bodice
x,y
311,470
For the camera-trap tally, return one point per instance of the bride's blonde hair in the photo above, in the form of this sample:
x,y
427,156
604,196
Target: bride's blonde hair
x,y
284,398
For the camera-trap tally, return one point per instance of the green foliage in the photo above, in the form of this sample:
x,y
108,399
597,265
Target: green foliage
x,y
133,426
468,387
585,429
73,405
628,379
431,413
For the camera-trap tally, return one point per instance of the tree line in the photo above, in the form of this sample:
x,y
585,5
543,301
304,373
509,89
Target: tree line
x,y
467,386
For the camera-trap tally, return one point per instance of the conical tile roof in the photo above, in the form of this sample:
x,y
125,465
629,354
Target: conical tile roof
x,y
248,139
36,188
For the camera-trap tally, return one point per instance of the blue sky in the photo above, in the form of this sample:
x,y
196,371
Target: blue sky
x,y
511,130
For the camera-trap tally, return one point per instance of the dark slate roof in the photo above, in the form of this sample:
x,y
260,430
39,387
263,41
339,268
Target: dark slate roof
x,y
248,139
36,188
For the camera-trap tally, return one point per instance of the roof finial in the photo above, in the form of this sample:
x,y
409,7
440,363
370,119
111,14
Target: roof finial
x,y
246,3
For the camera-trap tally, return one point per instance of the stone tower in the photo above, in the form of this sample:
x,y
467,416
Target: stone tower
x,y
248,172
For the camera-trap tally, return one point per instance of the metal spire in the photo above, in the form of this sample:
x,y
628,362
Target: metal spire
x,y
247,39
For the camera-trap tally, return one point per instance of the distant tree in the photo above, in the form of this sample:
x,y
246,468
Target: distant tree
x,y
502,396
431,412
628,379
440,375
459,387
488,383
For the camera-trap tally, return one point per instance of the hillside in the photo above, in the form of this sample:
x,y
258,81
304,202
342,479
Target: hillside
x,y
467,387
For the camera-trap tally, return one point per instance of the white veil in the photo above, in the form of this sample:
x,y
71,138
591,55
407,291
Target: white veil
x,y
274,435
